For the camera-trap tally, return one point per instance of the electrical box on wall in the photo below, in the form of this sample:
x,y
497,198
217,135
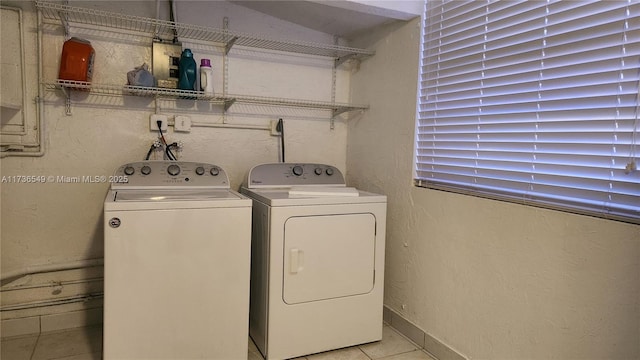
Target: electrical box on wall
x,y
165,60
153,122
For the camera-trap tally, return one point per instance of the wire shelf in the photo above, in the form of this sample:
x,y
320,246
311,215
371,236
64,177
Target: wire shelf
x,y
336,108
226,101
165,29
119,90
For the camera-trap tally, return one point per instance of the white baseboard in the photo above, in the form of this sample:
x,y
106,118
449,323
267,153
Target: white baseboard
x,y
427,342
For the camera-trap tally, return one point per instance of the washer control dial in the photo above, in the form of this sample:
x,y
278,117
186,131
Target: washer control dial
x,y
200,170
318,171
329,171
298,170
173,170
129,170
214,171
146,170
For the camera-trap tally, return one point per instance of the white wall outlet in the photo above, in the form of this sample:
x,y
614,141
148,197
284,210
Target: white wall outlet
x,y
182,123
274,126
153,122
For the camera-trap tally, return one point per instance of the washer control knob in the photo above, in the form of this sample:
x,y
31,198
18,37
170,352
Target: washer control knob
x,y
173,170
200,170
145,170
318,171
129,170
298,170
214,171
329,171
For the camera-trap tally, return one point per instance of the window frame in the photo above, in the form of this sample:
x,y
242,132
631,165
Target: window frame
x,y
574,204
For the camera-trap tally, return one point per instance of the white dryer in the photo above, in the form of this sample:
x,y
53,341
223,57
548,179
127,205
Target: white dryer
x,y
317,255
177,263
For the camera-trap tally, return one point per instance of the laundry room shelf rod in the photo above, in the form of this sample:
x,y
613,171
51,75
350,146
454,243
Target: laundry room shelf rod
x,y
227,101
164,28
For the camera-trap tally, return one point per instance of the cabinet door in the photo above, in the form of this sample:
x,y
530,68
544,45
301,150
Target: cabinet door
x,y
328,256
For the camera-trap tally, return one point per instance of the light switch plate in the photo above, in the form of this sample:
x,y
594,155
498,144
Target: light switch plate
x,y
182,123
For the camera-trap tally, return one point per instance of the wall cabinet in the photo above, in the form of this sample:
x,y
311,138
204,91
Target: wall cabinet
x,y
65,14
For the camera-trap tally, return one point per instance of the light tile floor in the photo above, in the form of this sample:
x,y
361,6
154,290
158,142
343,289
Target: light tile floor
x,y
86,344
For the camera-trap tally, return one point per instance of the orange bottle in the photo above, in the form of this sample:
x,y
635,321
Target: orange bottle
x,y
77,60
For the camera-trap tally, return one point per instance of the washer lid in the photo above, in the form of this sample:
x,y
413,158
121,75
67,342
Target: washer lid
x,y
173,195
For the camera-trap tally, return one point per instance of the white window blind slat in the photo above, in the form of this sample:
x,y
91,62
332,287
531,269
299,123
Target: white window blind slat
x,y
532,101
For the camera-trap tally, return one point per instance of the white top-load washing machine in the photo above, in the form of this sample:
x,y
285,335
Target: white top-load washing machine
x,y
177,263
317,255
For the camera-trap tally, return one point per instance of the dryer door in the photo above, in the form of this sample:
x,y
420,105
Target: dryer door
x,y
328,256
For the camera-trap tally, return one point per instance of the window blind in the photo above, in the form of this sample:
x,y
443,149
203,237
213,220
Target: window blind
x,y
532,101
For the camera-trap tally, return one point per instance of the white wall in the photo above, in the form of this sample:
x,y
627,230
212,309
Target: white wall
x,y
61,222
491,280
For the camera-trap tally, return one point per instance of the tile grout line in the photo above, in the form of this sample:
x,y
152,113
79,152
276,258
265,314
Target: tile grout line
x,y
418,347
35,345
365,354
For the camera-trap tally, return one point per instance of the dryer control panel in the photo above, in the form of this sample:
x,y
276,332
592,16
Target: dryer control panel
x,y
294,174
170,174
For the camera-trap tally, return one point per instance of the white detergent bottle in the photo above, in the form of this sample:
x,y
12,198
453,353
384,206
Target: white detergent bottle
x,y
206,76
